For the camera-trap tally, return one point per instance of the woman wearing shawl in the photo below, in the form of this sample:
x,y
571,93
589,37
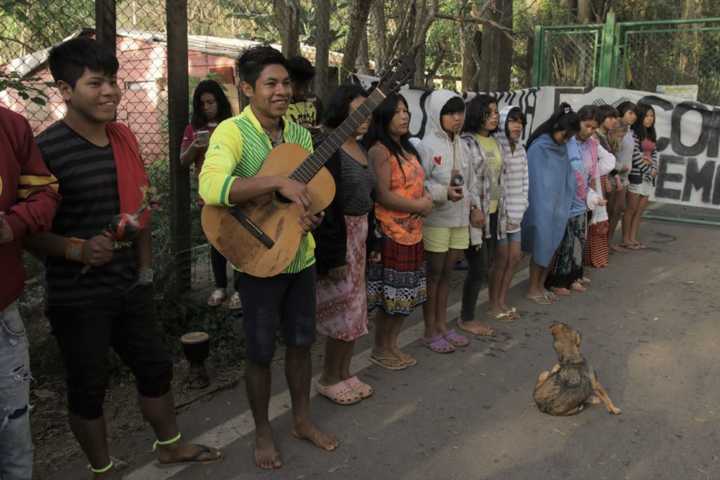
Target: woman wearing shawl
x,y
567,271
552,188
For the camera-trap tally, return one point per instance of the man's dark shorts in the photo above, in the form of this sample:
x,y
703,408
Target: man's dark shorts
x,y
285,301
85,333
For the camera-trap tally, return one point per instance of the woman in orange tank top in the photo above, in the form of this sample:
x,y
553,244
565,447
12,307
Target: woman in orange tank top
x,y
396,279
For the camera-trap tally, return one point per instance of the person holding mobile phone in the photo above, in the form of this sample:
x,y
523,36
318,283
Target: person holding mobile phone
x,y
210,107
446,234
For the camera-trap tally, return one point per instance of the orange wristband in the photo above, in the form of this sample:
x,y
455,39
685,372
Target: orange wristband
x,y
73,249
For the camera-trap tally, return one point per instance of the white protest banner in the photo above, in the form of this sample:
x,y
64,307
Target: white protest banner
x,y
688,133
688,144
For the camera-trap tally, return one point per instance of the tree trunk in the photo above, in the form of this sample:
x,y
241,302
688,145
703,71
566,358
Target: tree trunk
x,y
585,11
469,67
425,11
362,64
380,32
322,46
287,15
359,13
497,49
529,60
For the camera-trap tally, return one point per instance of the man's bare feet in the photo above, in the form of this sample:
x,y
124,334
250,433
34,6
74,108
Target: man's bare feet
x,y
308,431
267,456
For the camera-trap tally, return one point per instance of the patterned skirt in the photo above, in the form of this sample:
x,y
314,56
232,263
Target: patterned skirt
x,y
398,284
597,249
342,304
568,266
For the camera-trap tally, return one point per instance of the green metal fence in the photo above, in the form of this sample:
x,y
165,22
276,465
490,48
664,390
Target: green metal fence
x,y
567,55
634,55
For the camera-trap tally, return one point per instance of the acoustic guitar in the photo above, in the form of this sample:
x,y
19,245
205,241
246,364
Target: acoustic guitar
x,y
261,237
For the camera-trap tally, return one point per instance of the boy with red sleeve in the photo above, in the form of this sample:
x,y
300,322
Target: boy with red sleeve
x,y
28,200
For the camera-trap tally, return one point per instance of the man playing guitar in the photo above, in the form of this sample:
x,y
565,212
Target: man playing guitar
x,y
238,149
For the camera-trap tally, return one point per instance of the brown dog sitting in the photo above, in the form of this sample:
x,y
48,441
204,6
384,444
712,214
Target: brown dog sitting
x,y
572,383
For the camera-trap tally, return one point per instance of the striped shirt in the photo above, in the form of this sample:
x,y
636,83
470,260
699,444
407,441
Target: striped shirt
x,y
643,150
515,181
88,185
238,148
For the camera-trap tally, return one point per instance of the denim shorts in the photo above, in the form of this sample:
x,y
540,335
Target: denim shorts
x,y
511,237
285,302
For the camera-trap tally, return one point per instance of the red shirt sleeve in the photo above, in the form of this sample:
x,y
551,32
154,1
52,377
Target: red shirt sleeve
x,y
38,196
188,137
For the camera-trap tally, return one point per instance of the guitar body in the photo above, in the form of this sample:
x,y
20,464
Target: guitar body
x,y
278,218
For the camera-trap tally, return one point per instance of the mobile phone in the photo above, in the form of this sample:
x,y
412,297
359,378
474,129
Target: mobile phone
x,y
202,136
457,180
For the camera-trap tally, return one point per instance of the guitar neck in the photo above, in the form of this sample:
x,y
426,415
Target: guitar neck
x,y
312,165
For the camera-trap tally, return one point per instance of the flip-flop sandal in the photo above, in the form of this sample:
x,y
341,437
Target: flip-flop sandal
x,y
407,360
562,292
504,317
551,296
438,344
234,303
485,330
512,313
212,455
361,388
629,246
578,287
641,246
341,393
585,280
388,362
455,339
217,297
540,299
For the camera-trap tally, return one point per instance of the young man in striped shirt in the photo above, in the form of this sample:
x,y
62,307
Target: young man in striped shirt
x,y
238,148
100,292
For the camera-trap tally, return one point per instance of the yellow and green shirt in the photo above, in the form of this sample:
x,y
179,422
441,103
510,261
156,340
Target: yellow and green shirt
x,y
238,148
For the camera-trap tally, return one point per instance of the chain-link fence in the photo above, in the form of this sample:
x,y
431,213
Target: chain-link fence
x,y
646,56
568,56
683,53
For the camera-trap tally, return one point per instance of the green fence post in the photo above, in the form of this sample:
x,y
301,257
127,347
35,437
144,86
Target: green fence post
x,y
538,57
607,50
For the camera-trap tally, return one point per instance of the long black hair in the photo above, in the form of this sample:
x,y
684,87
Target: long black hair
x,y
624,107
564,119
380,123
224,110
338,107
478,112
515,114
638,127
587,112
604,112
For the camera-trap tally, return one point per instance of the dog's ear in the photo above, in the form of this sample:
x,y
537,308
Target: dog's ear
x,y
578,337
